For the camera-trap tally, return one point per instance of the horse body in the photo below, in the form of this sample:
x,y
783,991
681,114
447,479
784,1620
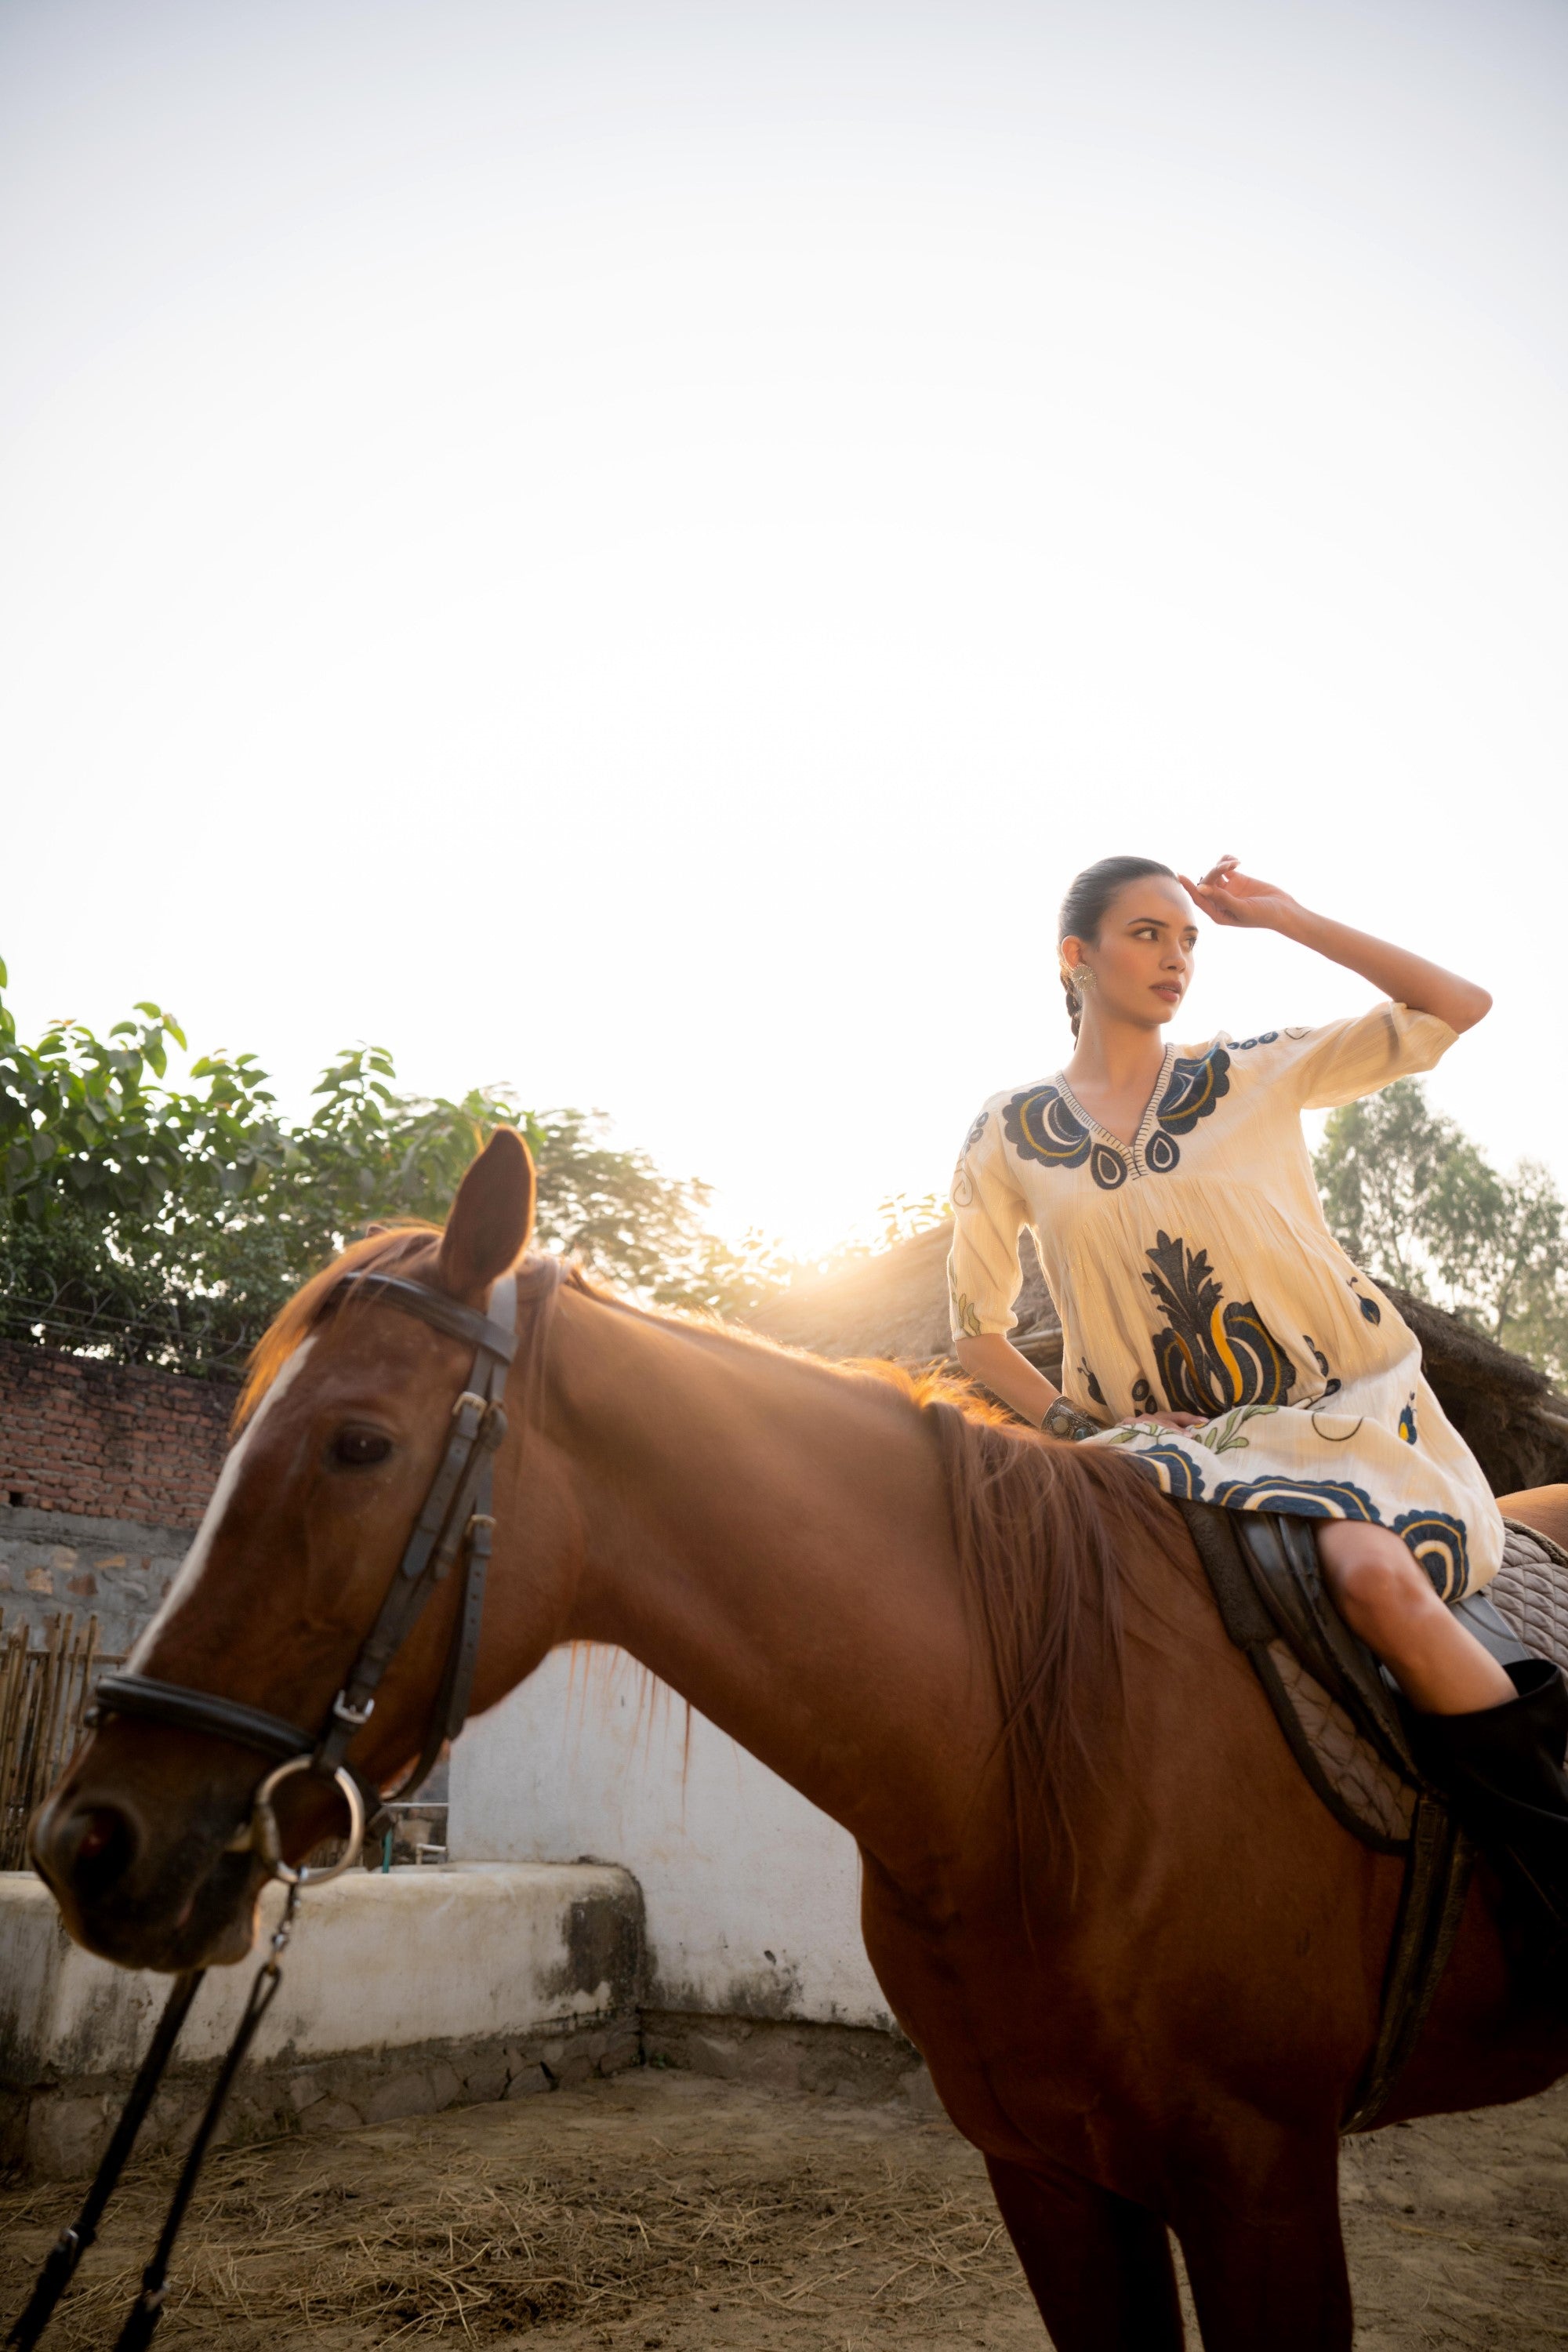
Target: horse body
x,y
1145,1993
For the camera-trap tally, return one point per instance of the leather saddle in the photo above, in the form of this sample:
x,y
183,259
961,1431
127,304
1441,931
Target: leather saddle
x,y
1340,1713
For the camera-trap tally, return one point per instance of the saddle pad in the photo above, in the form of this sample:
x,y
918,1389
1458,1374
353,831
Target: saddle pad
x,y
1530,1592
1341,1717
1344,1725
1372,1795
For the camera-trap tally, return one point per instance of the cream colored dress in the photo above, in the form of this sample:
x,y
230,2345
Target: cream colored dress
x,y
1194,1273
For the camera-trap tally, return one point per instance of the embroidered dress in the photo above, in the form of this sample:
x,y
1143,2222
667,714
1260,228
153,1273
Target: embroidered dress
x,y
1194,1273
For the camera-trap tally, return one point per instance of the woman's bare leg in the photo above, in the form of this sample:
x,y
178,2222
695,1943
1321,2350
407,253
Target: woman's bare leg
x,y
1384,1595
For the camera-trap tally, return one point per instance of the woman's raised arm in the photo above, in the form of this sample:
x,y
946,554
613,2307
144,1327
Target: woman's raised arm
x,y
1228,895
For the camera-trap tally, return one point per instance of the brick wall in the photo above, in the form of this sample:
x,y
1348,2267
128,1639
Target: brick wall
x,y
107,1441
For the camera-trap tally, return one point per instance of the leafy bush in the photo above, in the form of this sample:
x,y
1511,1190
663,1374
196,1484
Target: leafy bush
x,y
1414,1200
163,1224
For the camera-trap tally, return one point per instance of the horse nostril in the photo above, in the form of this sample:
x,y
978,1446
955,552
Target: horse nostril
x,y
97,1849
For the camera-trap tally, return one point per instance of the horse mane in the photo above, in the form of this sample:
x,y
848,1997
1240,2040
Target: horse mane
x,y
1045,1535
1042,1532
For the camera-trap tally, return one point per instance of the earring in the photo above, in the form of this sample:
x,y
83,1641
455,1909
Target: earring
x,y
1083,978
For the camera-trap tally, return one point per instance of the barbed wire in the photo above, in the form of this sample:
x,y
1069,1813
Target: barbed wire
x,y
99,1333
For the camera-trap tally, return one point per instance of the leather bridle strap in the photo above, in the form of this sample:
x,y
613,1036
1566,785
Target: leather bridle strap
x,y
456,1517
457,1514
191,1710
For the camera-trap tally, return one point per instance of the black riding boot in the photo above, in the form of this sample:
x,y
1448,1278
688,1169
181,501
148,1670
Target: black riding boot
x,y
1503,1768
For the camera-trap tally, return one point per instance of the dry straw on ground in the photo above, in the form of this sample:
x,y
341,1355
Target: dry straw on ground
x,y
489,2253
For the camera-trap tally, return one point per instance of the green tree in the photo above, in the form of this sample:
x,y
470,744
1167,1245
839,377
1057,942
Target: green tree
x,y
1413,1198
165,1223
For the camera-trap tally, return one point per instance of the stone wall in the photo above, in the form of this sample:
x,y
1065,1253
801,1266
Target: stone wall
x,y
108,1441
117,1570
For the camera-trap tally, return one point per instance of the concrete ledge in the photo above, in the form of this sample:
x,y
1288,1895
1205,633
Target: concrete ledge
x,y
401,1994
848,2062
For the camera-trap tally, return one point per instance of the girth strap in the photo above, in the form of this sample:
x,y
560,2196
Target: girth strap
x,y
1264,1573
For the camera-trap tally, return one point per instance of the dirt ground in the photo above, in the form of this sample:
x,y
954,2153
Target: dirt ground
x,y
668,2213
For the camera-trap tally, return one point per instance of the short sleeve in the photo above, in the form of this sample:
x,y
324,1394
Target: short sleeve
x,y
1346,1059
984,1276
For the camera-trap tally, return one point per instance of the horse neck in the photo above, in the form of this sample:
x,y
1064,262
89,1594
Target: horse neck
x,y
771,1539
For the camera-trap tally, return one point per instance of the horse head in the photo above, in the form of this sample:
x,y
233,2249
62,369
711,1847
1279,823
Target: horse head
x,y
343,1431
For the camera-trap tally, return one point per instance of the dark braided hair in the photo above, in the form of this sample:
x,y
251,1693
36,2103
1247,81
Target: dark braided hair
x,y
1083,909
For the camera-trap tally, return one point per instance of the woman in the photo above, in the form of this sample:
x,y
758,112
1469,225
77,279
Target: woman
x,y
1213,1327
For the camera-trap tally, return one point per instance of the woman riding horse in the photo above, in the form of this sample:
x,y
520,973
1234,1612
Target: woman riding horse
x,y
1214,1328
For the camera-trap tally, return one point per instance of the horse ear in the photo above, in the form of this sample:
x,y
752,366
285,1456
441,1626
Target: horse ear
x,y
491,1217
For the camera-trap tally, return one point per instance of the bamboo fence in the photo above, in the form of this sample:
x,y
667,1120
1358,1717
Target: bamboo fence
x,y
43,1693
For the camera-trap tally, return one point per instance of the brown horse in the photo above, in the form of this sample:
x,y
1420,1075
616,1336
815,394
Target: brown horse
x,y
1141,1961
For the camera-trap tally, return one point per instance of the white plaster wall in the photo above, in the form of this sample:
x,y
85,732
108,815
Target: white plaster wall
x,y
375,1961
751,1896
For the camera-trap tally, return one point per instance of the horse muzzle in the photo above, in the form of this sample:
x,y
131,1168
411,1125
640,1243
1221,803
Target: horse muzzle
x,y
150,1880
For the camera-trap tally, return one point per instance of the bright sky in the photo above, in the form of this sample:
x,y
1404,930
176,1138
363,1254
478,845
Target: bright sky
x,y
634,549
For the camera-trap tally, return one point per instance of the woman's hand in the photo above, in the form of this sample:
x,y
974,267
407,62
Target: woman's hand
x,y
1228,895
1231,896
1166,1421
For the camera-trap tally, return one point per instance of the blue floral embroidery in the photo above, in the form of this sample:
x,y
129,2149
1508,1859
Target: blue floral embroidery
x,y
1180,1477
1096,1393
1195,1086
1301,1498
1211,1356
1370,1311
1267,1038
1440,1541
1408,1422
1039,1127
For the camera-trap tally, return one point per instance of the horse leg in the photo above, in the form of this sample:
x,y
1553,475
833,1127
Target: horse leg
x,y
1099,2267
1261,2241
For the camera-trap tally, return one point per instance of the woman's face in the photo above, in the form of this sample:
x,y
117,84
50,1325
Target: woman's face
x,y
1141,963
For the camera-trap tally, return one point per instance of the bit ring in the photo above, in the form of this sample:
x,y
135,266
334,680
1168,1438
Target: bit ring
x,y
264,1836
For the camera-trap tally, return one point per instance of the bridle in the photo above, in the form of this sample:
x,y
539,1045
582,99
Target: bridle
x,y
456,1519
454,1524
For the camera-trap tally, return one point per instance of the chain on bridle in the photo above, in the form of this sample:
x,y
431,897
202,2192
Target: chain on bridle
x,y
454,1525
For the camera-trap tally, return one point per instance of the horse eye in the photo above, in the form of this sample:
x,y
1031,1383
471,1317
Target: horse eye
x,y
356,1449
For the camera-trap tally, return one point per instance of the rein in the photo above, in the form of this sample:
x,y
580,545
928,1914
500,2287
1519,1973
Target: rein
x,y
454,1522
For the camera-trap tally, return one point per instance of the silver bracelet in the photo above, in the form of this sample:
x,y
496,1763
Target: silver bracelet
x,y
1064,1420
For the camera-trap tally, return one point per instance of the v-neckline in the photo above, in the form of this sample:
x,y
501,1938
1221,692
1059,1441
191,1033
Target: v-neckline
x,y
1133,1151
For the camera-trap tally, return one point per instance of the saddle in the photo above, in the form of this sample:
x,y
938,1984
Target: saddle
x,y
1340,1712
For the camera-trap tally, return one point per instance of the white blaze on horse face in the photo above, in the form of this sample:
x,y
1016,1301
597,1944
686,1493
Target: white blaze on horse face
x,y
195,1559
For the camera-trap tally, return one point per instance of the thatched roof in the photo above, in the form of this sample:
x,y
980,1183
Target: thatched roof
x,y
1501,1406
895,1306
